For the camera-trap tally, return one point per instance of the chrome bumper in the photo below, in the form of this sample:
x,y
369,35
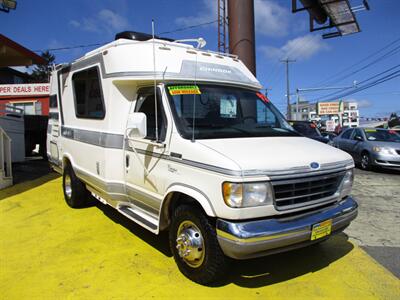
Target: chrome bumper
x,y
242,240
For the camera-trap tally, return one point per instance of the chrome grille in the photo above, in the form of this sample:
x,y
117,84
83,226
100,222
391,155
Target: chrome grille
x,y
305,191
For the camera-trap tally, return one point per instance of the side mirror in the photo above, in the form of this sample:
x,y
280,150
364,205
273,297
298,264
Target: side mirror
x,y
358,138
137,126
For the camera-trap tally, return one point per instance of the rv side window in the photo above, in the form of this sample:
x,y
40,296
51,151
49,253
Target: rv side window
x,y
145,104
53,101
89,102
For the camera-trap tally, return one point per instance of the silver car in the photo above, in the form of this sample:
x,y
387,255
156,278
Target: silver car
x,y
371,147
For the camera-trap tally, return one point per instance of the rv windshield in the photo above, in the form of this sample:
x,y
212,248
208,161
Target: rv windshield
x,y
224,112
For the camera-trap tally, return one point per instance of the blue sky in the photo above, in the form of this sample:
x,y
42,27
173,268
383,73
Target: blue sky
x,y
279,33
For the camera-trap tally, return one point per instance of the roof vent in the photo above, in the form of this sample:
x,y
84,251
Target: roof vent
x,y
138,36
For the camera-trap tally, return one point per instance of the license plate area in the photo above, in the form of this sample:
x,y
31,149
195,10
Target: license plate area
x,y
321,229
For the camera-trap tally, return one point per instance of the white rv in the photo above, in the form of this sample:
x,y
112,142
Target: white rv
x,y
181,139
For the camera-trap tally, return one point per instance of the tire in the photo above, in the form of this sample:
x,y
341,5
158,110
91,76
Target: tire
x,y
75,193
365,163
206,263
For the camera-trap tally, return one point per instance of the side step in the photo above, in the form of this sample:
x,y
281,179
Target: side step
x,y
148,222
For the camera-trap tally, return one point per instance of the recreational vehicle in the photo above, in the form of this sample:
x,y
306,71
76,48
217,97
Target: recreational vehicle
x,y
180,139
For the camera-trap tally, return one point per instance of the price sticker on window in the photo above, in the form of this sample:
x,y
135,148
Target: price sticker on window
x,y
184,90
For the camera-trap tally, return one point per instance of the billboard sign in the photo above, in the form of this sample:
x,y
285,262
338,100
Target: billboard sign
x,y
25,89
329,108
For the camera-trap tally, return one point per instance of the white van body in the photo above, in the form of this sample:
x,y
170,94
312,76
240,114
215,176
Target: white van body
x,y
146,180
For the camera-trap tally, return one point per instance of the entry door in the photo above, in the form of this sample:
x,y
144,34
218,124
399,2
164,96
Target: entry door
x,y
145,167
53,132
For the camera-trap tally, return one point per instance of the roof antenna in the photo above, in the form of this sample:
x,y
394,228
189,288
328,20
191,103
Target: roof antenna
x,y
194,100
155,79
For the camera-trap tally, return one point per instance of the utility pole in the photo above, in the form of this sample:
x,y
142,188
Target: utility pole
x,y
287,61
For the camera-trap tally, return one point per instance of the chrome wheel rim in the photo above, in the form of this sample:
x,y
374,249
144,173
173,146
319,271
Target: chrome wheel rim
x,y
190,244
67,186
364,161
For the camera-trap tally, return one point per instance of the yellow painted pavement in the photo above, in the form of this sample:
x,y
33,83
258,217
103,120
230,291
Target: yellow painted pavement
x,y
49,251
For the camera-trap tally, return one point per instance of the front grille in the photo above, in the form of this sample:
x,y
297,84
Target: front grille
x,y
394,162
305,191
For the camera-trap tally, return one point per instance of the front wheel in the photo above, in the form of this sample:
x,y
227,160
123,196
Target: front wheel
x,y
365,161
195,247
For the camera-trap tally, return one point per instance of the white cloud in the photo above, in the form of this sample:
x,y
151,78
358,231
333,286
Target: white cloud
x,y
74,23
271,18
207,14
112,19
361,103
300,48
104,21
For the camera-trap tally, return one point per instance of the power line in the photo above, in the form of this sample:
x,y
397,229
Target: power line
x,y
103,43
189,27
386,55
71,47
361,82
333,77
380,80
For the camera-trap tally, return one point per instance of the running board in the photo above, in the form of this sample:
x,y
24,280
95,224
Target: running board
x,y
139,217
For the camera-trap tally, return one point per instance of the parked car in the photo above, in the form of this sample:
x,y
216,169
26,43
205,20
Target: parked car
x,y
371,146
396,128
309,129
190,145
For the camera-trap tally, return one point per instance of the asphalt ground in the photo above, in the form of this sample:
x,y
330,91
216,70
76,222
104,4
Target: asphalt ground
x,y
377,227
49,251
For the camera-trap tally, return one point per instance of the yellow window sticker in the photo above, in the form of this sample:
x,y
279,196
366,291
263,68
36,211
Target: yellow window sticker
x,y
184,90
370,130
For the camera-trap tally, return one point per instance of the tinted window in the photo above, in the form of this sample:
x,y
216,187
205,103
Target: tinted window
x,y
306,129
88,97
146,104
347,134
382,135
53,101
358,133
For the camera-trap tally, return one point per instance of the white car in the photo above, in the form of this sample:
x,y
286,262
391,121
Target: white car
x,y
177,138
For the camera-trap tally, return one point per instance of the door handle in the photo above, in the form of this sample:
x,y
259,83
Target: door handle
x,y
127,161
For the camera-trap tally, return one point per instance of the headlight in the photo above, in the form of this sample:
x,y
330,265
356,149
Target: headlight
x,y
247,194
347,183
384,150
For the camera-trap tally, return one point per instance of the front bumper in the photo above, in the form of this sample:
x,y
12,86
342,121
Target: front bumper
x,y
386,161
242,240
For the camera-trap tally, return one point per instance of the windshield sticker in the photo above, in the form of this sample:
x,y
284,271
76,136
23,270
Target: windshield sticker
x,y
228,107
370,130
184,90
262,97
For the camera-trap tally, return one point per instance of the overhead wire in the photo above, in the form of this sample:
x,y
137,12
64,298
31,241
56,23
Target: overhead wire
x,y
367,84
322,98
103,43
333,77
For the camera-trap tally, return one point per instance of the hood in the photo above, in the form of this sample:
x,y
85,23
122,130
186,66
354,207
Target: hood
x,y
276,153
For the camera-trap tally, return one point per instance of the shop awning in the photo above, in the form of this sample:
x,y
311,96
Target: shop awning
x,y
13,54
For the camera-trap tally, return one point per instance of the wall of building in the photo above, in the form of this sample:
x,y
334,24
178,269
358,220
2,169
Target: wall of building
x,y
33,99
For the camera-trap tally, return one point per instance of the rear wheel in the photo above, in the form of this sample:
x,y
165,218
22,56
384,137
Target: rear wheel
x,y
195,247
75,193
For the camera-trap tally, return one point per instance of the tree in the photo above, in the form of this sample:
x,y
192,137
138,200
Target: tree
x,y
41,73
